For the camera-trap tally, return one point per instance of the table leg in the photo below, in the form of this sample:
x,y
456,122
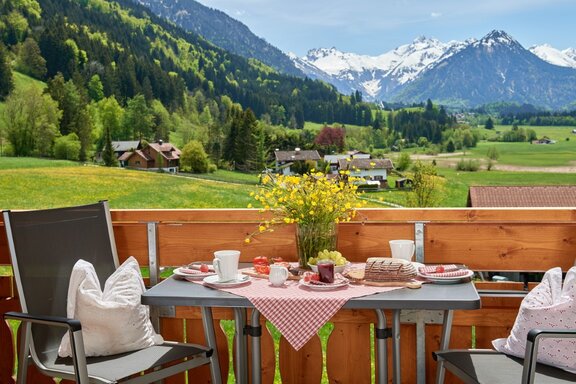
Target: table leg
x,y
382,334
255,331
208,323
444,344
396,366
241,350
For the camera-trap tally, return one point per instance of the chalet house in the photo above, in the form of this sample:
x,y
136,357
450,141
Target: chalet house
x,y
155,156
286,160
335,158
522,196
375,170
121,147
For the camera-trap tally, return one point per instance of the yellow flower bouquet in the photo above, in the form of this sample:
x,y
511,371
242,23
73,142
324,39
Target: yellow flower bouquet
x,y
315,202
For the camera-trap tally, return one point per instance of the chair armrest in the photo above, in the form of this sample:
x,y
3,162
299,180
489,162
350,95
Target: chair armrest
x,y
532,340
74,331
535,334
72,324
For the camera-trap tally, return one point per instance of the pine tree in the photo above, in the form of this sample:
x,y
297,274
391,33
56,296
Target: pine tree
x,y
6,80
489,123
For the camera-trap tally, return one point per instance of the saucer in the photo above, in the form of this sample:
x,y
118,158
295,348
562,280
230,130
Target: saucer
x,y
214,281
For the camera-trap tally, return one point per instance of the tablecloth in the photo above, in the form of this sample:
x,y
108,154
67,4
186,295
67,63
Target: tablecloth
x,y
296,311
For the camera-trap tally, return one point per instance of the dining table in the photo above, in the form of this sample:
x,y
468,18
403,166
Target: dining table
x,y
175,291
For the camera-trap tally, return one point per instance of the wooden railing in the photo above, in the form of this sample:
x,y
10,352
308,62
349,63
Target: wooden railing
x,y
484,239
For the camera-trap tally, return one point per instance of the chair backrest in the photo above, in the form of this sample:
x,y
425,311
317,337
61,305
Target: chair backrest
x,y
44,246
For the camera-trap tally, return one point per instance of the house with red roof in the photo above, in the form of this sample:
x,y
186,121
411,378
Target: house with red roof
x,y
154,156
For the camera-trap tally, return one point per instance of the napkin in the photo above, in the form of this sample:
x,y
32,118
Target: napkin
x,y
450,270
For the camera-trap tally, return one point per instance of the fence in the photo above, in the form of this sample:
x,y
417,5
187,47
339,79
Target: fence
x,y
517,240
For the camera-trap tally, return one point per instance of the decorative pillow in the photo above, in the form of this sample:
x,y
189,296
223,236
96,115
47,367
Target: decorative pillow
x,y
113,321
548,306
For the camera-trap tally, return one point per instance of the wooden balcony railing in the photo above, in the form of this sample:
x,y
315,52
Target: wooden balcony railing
x,y
516,240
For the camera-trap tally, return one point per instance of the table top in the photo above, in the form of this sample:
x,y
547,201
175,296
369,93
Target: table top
x,y
175,292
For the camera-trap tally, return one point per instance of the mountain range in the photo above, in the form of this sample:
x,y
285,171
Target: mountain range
x,y
464,74
495,68
223,31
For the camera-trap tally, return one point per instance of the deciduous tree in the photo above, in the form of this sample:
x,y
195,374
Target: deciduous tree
x,y
32,120
427,187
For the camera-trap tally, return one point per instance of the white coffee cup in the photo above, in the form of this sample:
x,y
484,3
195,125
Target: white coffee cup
x,y
278,275
402,249
226,264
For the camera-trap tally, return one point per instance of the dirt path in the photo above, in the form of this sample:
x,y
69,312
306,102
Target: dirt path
x,y
451,159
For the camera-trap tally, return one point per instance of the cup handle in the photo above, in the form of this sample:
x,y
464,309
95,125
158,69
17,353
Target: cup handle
x,y
216,265
285,273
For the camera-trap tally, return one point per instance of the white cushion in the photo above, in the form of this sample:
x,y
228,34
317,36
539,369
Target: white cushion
x,y
113,321
548,306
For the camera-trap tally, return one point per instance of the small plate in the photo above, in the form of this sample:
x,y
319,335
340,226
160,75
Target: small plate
x,y
196,275
338,283
447,280
214,281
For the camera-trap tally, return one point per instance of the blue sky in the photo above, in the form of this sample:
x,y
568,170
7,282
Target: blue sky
x,y
373,27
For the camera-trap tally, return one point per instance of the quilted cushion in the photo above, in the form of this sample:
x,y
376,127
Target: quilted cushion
x,y
113,321
550,305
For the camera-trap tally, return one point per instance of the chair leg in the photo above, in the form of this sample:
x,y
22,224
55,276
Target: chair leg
x,y
23,353
208,324
444,344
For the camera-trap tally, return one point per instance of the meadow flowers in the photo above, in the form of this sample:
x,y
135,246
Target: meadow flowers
x,y
315,202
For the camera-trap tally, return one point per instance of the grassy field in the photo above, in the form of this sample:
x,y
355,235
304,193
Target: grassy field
x,y
30,186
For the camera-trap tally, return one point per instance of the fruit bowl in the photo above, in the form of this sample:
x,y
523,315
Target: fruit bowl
x,y
337,268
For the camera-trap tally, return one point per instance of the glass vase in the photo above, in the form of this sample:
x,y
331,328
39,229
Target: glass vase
x,y
313,238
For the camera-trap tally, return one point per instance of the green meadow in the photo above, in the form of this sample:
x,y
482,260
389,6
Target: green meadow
x,y
28,185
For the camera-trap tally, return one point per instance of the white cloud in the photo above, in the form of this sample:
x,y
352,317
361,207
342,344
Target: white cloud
x,y
435,14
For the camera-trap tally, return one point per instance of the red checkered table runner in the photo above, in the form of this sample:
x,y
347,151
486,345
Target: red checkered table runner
x,y
296,311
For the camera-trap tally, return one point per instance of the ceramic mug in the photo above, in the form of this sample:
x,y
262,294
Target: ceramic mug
x,y
278,275
402,249
226,264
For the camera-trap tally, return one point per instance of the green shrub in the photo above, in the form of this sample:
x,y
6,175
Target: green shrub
x,y
469,165
67,147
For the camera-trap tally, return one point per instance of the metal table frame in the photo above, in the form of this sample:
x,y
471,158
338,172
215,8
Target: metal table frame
x,y
445,298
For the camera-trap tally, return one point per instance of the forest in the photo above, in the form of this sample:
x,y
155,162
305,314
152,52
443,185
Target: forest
x,y
114,71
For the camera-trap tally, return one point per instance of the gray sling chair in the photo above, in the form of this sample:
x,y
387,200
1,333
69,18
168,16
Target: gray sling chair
x,y
44,246
492,367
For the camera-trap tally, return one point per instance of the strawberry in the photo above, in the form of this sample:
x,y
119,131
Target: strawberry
x,y
439,269
204,268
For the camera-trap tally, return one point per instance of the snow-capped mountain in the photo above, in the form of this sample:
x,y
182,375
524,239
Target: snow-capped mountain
x,y
398,74
494,69
565,58
376,76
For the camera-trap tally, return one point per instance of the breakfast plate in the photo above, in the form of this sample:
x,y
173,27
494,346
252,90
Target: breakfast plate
x,y
192,274
318,286
213,281
446,279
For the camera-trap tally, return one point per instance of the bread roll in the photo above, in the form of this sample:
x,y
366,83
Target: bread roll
x,y
389,269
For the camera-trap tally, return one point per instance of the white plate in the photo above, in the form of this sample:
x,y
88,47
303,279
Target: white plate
x,y
215,282
192,276
338,283
447,280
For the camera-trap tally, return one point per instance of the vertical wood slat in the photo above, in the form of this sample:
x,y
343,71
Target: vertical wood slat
x,y
302,366
195,335
348,353
7,357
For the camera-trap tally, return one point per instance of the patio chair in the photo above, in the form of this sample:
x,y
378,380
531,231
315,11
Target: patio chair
x,y
44,246
492,367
